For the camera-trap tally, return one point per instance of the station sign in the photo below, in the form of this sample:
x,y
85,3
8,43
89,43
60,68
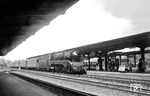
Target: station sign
x,y
92,53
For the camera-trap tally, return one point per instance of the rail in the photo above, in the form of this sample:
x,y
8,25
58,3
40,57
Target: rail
x,y
129,85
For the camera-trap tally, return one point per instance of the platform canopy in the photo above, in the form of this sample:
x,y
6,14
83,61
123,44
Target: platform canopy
x,y
20,19
139,40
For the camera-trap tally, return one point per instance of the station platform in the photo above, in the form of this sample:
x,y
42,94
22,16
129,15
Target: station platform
x,y
140,76
78,84
13,86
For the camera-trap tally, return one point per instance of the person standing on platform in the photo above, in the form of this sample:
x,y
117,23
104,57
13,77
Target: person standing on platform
x,y
130,66
113,65
109,65
100,64
126,67
141,65
117,64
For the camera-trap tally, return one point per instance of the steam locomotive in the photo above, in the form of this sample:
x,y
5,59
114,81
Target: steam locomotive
x,y
61,62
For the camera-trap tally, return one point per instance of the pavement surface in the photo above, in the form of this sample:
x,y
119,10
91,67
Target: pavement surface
x,y
83,87
13,86
138,76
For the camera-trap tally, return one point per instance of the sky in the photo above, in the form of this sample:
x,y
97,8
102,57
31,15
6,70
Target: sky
x,y
87,22
136,11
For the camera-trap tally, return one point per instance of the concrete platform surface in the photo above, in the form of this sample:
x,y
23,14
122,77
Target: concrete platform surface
x,y
139,76
13,86
78,86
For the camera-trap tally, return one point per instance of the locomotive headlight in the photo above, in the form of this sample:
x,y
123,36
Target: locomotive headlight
x,y
75,68
84,68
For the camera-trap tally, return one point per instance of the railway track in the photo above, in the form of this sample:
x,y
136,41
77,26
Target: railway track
x,y
144,85
132,86
58,90
126,84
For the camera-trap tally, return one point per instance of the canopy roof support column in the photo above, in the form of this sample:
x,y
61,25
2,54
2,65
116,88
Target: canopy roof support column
x,y
142,53
127,58
141,64
100,62
89,61
106,62
119,59
135,60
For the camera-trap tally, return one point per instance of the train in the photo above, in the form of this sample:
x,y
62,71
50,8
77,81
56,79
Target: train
x,y
61,62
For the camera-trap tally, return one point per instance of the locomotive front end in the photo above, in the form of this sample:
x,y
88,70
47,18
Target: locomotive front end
x,y
78,68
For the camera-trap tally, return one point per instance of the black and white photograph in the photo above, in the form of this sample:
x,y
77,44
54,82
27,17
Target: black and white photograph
x,y
74,47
